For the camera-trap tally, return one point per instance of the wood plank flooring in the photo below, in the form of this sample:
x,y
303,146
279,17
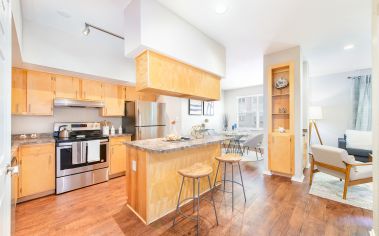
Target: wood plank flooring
x,y
275,206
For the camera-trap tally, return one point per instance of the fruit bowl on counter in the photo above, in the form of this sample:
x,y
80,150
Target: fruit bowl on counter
x,y
175,138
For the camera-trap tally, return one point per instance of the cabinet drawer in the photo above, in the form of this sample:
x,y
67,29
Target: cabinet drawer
x,y
119,140
36,149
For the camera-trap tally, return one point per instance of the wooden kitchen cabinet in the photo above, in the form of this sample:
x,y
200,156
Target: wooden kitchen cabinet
x,y
113,96
19,106
37,170
39,93
160,74
66,87
281,153
91,90
132,95
117,166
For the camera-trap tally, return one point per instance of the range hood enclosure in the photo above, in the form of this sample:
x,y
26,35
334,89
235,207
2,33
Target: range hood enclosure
x,y
77,103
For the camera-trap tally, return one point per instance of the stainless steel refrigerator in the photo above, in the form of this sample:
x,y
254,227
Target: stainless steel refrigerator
x,y
144,120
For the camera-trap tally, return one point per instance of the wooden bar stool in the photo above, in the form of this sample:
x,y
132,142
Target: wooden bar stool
x,y
231,159
195,172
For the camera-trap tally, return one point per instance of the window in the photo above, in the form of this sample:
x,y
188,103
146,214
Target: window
x,y
250,112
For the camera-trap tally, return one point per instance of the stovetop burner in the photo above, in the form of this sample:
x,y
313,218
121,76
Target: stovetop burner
x,y
79,132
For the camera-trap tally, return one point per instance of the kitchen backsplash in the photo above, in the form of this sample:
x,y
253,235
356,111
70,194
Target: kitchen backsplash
x,y
44,124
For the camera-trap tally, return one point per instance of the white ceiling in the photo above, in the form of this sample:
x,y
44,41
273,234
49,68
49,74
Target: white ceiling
x,y
251,28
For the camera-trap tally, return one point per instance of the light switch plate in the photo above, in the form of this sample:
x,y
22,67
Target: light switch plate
x,y
134,166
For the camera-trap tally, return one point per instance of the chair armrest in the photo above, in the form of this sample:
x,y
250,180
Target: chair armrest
x,y
359,164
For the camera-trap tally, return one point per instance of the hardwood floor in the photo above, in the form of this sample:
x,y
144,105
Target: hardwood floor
x,y
275,206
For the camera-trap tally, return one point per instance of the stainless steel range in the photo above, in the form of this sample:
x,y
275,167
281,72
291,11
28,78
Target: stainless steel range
x,y
81,157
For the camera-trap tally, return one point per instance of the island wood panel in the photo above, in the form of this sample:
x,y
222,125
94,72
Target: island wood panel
x,y
163,75
153,189
19,91
136,182
164,181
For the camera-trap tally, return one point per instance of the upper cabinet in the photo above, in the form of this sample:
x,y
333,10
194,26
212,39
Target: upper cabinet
x,y
91,90
113,100
163,75
132,95
66,87
39,94
19,91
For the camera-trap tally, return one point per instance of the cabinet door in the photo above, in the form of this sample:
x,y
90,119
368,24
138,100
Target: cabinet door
x,y
18,91
66,87
118,159
37,169
148,97
91,90
130,93
281,153
113,99
39,93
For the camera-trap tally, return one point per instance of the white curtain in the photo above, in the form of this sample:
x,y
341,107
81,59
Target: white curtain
x,y
362,102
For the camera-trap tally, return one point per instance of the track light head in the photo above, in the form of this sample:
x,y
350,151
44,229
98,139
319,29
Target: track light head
x,y
86,29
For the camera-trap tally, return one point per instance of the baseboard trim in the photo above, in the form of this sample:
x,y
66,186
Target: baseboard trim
x,y
299,179
267,172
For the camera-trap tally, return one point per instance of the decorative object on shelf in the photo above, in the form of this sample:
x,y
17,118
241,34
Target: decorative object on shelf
x,y
281,130
281,83
283,110
226,122
197,131
195,107
208,108
314,113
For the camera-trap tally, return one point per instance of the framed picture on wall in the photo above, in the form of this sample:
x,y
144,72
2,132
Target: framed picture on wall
x,y
195,107
208,108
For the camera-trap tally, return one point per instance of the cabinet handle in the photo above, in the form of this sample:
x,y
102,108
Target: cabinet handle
x,y
76,94
30,107
17,108
112,151
85,94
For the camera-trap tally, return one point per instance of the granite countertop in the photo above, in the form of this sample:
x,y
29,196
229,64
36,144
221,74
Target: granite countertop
x,y
161,146
40,139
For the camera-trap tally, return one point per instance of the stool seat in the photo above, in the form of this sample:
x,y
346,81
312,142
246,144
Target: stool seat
x,y
230,158
197,170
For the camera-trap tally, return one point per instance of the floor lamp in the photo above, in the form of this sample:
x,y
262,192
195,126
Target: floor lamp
x,y
314,113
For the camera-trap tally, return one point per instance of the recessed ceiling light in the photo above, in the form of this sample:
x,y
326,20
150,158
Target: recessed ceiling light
x,y
348,47
221,8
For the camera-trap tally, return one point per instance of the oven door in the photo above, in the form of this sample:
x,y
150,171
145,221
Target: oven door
x,y
72,158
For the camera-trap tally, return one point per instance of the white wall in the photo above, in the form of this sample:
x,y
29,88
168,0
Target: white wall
x,y
149,25
375,110
17,18
289,55
230,100
98,55
334,93
44,124
177,109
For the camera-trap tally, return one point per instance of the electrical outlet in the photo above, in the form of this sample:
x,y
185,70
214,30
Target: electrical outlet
x,y
134,166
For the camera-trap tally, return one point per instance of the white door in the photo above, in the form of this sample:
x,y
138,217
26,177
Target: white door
x,y
5,117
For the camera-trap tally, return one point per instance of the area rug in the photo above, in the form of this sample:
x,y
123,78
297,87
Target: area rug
x,y
329,187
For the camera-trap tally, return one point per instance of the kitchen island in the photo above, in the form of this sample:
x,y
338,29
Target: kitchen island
x,y
152,179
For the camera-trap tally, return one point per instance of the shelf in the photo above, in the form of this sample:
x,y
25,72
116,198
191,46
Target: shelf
x,y
280,71
280,95
280,114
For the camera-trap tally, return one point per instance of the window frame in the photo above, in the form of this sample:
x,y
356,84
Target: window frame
x,y
257,115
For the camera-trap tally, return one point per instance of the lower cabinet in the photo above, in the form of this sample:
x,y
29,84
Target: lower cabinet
x,y
281,153
37,170
117,165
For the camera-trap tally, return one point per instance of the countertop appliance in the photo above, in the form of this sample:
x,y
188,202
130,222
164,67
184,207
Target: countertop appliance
x,y
144,120
82,159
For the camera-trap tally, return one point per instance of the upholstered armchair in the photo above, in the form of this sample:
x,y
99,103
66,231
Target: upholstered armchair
x,y
337,162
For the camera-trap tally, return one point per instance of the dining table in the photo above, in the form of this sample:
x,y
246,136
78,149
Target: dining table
x,y
235,143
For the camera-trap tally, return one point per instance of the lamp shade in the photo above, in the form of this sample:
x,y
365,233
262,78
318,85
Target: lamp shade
x,y
315,113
